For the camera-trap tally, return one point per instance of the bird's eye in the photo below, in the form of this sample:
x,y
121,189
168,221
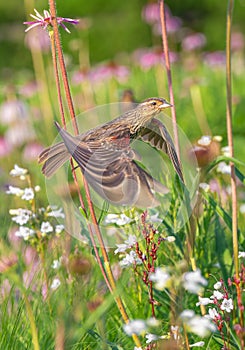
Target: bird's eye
x,y
153,103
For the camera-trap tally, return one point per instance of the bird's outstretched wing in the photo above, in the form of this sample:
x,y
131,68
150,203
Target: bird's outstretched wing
x,y
110,169
158,136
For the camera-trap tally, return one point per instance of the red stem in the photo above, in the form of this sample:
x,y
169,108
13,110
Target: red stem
x,y
57,45
107,273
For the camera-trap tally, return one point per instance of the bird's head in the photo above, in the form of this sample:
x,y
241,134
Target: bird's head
x,y
152,106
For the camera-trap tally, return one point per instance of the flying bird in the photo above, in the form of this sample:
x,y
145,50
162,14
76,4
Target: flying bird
x,y
106,158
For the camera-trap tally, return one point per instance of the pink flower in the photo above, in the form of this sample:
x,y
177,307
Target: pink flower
x,y
148,58
12,111
29,89
215,59
194,42
108,71
46,23
19,133
173,24
79,76
37,40
31,151
151,13
237,41
5,147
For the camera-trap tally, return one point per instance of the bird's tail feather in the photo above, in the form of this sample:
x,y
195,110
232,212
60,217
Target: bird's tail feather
x,y
53,158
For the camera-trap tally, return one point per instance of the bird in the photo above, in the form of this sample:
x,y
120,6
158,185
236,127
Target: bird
x,y
107,160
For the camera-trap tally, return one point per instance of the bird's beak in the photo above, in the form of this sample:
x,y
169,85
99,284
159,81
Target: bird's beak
x,y
165,104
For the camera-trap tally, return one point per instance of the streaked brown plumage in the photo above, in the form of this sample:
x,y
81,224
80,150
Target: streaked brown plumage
x,y
107,160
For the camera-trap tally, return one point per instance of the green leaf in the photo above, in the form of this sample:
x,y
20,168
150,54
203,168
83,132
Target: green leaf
x,y
220,211
240,176
224,159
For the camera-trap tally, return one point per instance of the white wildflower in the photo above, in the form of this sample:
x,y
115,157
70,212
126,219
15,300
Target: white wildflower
x,y
56,264
55,284
130,259
217,295
22,215
57,213
132,239
120,220
59,229
37,188
194,281
21,219
151,337
223,168
24,232
201,326
199,343
227,305
28,194
121,248
18,171
218,138
212,314
204,186
153,322
226,151
241,255
187,315
217,285
174,331
135,327
46,227
170,239
242,209
154,218
204,301
15,190
161,278
205,140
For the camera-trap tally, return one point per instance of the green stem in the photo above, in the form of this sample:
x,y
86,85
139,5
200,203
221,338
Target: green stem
x,y
231,148
169,75
32,323
230,135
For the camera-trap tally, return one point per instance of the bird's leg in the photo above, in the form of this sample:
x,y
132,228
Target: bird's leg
x,y
75,168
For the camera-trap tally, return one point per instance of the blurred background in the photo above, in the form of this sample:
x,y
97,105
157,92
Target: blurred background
x,y
115,54
111,27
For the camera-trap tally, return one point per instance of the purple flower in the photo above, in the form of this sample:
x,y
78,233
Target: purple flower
x,y
45,21
194,42
215,59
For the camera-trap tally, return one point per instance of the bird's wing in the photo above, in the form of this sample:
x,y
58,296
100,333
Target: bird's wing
x,y
158,136
112,172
